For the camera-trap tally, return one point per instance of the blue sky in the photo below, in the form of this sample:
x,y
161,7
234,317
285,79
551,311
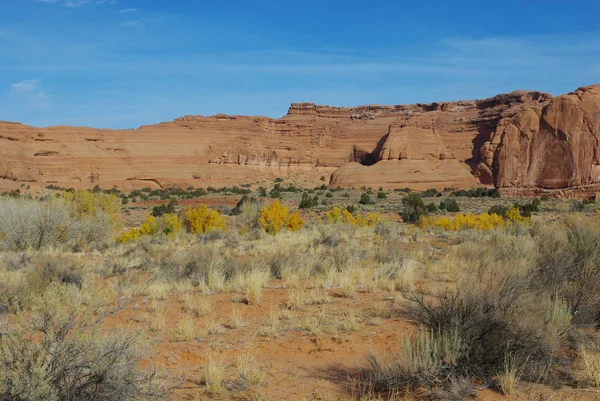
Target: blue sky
x,y
124,63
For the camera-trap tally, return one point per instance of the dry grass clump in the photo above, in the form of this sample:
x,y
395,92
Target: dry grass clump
x,y
32,224
591,361
214,374
255,283
186,328
507,316
196,306
248,370
237,320
58,352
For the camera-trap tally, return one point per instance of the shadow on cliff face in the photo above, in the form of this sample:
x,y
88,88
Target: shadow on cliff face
x,y
484,134
368,158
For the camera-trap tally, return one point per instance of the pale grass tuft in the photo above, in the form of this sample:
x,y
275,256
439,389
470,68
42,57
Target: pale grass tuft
x,y
237,320
591,361
215,280
511,376
156,320
272,329
214,327
196,306
186,329
247,369
347,284
158,291
215,374
351,322
255,283
297,299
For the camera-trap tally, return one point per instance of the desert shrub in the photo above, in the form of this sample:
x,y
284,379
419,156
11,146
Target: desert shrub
x,y
294,222
329,195
275,217
163,209
477,193
168,224
365,199
579,206
497,311
449,205
34,224
431,193
498,210
53,267
544,198
308,202
568,264
413,208
431,207
58,353
334,215
359,220
382,195
351,209
249,216
464,221
237,210
526,209
421,360
86,203
262,192
201,220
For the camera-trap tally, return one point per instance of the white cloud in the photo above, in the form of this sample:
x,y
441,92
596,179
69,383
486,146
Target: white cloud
x,y
76,3
128,10
29,91
25,86
132,23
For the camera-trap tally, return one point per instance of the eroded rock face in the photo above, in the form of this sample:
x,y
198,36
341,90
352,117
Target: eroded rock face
x,y
555,146
518,139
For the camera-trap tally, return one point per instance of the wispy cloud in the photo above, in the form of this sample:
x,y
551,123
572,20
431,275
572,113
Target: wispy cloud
x,y
29,93
76,3
132,23
128,10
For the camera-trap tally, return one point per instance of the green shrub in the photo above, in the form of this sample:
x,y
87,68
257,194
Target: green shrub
x,y
477,193
237,210
382,195
308,202
413,208
365,199
351,209
431,193
163,208
59,353
431,207
498,210
449,205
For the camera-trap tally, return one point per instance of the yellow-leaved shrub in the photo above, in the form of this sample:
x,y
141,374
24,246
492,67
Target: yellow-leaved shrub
x,y
294,222
168,224
514,215
336,215
85,203
462,221
202,220
276,216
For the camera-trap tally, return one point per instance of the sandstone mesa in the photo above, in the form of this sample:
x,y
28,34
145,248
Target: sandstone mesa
x,y
523,139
